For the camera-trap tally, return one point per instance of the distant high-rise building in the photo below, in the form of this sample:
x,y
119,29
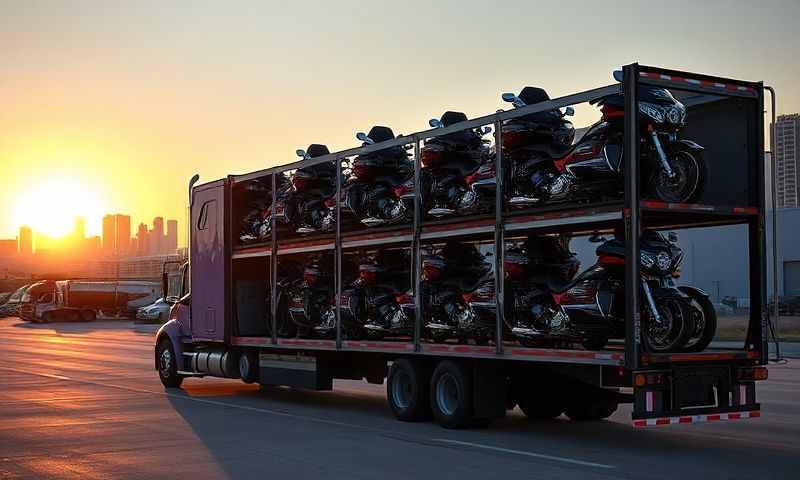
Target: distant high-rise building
x,y
172,236
25,241
142,240
93,245
109,234
80,229
8,248
787,157
157,236
123,234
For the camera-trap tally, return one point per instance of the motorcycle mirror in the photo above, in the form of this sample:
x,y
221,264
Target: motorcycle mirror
x,y
364,138
435,123
301,153
617,75
672,237
508,97
597,238
569,111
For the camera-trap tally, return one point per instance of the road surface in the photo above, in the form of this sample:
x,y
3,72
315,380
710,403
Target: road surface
x,y
82,401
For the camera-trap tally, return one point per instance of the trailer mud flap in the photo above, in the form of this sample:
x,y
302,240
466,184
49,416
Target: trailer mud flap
x,y
296,371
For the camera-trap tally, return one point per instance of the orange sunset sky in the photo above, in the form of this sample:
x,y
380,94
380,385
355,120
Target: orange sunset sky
x,y
111,106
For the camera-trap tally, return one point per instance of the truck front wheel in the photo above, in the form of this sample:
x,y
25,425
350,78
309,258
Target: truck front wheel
x,y
407,390
167,365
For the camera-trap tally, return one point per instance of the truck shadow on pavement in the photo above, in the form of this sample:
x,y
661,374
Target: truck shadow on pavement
x,y
78,328
367,411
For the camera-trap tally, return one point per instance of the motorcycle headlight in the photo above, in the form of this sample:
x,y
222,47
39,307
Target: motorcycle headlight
x,y
663,261
653,111
647,260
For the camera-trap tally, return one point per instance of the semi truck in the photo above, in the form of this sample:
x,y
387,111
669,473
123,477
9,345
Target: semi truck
x,y
230,318
84,300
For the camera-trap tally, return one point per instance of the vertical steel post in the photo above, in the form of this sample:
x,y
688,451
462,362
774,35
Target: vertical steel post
x,y
499,240
630,86
776,316
416,259
338,254
757,331
273,263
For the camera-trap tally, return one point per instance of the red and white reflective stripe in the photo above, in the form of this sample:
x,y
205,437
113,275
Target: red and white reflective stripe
x,y
702,83
379,345
715,417
295,342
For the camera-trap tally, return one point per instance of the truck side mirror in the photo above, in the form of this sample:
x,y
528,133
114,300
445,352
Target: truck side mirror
x,y
164,285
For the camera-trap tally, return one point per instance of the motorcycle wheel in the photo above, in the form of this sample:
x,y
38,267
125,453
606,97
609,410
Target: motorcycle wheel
x,y
673,333
285,326
705,324
687,184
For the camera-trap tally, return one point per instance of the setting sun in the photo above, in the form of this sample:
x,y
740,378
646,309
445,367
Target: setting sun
x,y
51,205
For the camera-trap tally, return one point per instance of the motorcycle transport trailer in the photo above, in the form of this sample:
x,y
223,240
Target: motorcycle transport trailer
x,y
233,322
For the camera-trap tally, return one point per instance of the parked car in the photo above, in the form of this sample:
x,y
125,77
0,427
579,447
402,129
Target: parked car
x,y
10,307
156,312
786,305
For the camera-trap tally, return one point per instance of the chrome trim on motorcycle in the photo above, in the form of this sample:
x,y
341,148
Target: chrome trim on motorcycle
x,y
662,156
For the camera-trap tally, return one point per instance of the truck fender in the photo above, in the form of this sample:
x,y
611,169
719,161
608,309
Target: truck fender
x,y
170,330
692,291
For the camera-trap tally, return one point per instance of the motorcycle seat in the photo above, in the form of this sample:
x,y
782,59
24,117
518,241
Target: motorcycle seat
x,y
612,248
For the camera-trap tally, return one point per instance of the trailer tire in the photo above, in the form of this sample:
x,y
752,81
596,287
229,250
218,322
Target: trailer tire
x,y
248,367
47,317
451,395
407,390
88,316
590,409
167,365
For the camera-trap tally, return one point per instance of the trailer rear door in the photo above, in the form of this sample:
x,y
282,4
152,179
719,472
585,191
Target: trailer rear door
x,y
208,262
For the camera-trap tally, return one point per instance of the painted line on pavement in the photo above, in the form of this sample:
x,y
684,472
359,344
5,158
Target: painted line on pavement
x,y
524,453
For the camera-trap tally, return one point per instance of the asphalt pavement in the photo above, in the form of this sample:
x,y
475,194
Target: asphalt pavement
x,y
83,401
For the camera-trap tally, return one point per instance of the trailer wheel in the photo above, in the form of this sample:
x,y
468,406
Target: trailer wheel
x,y
590,408
88,316
248,367
47,317
407,389
539,405
167,365
451,395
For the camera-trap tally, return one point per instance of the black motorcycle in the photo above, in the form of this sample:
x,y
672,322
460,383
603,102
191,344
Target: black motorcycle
x,y
458,170
306,203
310,300
672,169
379,299
673,318
380,190
254,226
531,267
458,294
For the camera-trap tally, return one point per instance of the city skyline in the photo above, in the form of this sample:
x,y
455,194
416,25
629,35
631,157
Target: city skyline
x,y
115,239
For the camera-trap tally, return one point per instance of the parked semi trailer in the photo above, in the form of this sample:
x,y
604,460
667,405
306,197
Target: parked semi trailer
x,y
83,300
241,313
